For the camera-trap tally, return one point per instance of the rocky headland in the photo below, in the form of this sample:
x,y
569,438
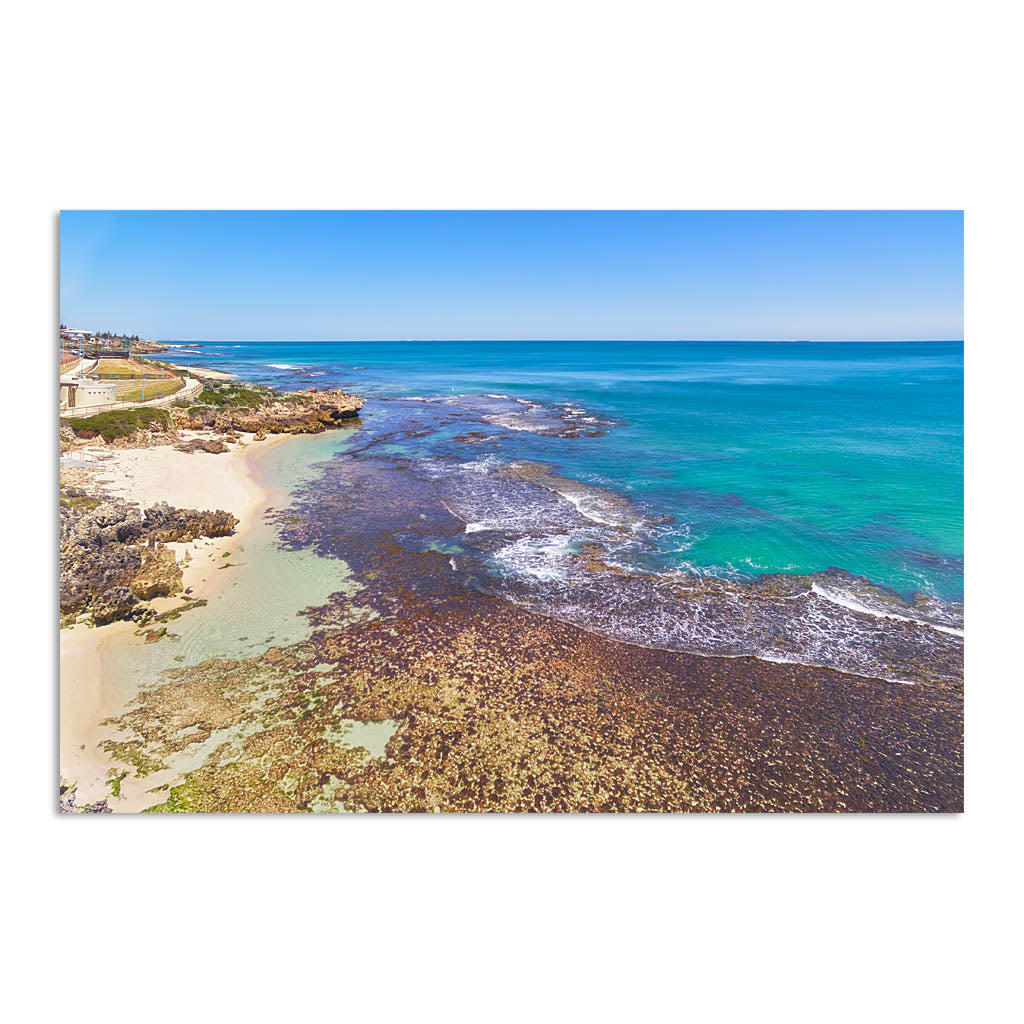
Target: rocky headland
x,y
218,413
236,407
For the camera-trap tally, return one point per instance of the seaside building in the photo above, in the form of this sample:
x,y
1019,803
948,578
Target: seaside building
x,y
86,392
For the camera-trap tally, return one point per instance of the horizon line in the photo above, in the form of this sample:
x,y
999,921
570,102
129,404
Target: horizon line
x,y
665,341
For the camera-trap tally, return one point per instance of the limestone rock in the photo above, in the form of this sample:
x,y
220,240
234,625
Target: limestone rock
x,y
105,563
159,575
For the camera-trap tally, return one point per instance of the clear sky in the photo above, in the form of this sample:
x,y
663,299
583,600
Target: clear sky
x,y
527,275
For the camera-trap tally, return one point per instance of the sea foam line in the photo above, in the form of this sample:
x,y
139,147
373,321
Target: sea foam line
x,y
855,606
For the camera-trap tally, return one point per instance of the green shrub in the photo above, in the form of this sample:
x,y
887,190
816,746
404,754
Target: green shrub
x,y
239,395
79,502
120,422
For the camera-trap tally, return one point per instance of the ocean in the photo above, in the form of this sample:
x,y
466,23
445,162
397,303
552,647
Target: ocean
x,y
791,501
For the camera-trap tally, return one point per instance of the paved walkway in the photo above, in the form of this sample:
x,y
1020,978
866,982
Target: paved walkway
x,y
82,367
190,390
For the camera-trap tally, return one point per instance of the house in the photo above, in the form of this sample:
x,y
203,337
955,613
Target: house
x,y
72,334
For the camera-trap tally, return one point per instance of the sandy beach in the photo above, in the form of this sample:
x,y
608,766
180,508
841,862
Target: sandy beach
x,y
205,374
229,481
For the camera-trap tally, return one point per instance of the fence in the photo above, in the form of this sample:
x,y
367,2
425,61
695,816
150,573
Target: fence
x,y
190,390
123,388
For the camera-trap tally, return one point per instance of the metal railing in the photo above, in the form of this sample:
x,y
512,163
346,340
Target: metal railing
x,y
190,390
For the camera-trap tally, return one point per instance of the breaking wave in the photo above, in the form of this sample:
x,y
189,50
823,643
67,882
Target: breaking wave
x,y
590,557
550,419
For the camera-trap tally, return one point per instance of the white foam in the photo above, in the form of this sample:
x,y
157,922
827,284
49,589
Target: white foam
x,y
538,558
853,605
282,366
512,421
590,508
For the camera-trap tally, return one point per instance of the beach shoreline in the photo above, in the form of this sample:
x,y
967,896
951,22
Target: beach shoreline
x,y
231,481
472,702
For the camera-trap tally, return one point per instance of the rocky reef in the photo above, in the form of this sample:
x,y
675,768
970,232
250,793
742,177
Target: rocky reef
x,y
418,693
112,554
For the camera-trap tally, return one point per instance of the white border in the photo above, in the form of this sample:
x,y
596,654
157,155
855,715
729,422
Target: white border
x,y
735,105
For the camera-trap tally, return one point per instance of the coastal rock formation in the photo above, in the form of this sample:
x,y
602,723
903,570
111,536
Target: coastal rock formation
x,y
68,795
302,412
202,444
113,604
119,428
99,557
112,554
159,576
163,523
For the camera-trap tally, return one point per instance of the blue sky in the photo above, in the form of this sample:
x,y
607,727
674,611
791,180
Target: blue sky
x,y
529,275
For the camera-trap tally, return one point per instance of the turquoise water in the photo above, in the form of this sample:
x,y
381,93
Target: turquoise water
x,y
765,457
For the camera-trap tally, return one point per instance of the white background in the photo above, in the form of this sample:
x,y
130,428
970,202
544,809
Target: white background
x,y
440,104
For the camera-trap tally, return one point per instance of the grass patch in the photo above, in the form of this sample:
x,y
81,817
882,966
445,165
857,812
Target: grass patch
x,y
120,423
157,388
127,368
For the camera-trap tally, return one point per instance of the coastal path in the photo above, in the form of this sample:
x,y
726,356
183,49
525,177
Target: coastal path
x,y
190,390
79,369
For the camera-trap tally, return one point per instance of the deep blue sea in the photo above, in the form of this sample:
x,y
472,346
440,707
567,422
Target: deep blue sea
x,y
743,459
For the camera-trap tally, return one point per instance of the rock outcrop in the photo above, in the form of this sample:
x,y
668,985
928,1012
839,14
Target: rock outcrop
x,y
301,412
164,523
68,795
202,444
113,604
112,554
159,575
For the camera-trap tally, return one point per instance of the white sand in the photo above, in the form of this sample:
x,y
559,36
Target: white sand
x,y
227,481
205,374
